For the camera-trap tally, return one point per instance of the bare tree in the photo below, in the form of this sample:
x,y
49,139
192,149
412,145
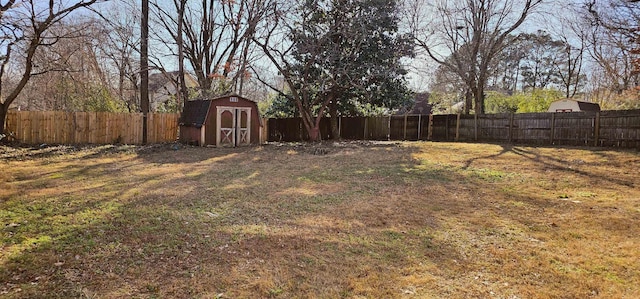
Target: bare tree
x,y
573,34
570,70
120,51
74,76
466,36
216,37
24,26
614,40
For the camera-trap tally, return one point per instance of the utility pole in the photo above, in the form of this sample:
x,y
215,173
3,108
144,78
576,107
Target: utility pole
x,y
144,67
183,93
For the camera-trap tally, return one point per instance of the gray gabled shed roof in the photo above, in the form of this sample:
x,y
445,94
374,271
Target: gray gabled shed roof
x,y
195,113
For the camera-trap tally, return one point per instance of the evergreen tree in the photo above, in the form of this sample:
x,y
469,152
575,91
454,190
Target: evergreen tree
x,y
342,51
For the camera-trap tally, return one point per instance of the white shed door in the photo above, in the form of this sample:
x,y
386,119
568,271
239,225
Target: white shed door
x,y
234,126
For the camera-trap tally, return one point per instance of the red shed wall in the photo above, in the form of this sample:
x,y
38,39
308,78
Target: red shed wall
x,y
190,134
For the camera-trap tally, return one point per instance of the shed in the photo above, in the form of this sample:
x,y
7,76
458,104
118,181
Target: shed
x,y
569,105
225,121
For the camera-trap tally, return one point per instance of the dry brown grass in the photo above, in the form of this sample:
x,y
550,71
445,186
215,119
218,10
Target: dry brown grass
x,y
407,220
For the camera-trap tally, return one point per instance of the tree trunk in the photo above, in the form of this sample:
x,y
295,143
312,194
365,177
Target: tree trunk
x,y
314,134
121,86
311,125
478,95
479,105
4,109
333,111
468,100
144,68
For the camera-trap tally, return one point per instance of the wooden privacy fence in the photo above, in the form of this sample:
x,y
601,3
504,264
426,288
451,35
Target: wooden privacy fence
x,y
605,128
59,127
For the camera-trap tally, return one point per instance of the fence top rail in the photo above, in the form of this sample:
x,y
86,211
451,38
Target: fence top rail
x,y
604,113
86,112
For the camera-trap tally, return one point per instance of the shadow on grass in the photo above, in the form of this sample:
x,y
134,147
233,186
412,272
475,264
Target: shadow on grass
x,y
228,229
30,152
567,165
250,222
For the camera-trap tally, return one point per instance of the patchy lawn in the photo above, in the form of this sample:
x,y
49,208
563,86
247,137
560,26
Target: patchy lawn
x,y
349,220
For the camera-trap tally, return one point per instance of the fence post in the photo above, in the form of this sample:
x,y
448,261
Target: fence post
x,y
446,128
475,131
389,128
151,120
404,133
339,127
457,127
430,128
366,127
9,124
553,126
301,129
419,125
38,133
596,129
511,127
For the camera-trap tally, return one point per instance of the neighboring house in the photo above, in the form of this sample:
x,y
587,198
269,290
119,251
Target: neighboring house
x,y
163,88
421,105
225,121
569,105
458,107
